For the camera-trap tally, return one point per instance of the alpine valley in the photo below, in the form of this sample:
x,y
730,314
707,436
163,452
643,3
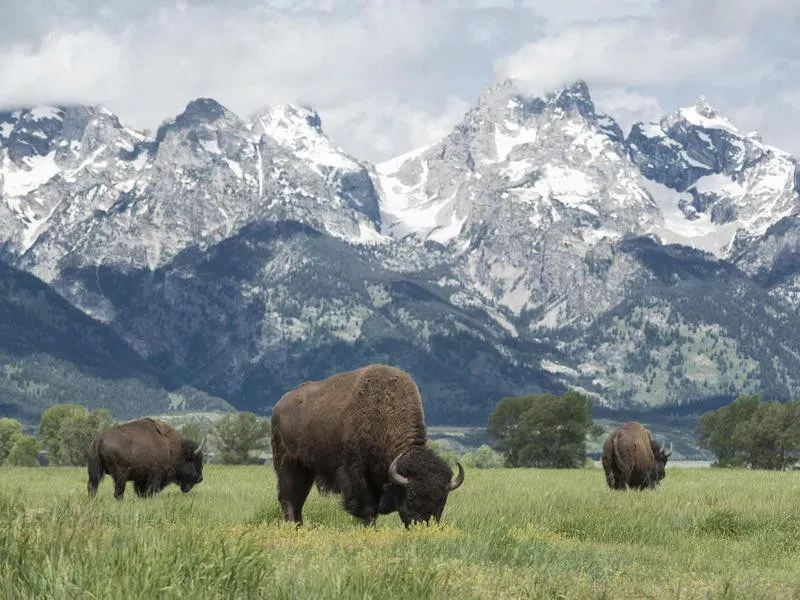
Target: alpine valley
x,y
535,248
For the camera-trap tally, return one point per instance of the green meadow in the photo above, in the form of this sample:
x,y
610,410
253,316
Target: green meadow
x,y
519,533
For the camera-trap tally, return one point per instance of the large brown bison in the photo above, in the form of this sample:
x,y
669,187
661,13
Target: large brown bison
x,y
631,458
148,452
360,434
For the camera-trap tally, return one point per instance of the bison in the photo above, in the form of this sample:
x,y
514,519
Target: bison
x,y
148,452
360,434
631,458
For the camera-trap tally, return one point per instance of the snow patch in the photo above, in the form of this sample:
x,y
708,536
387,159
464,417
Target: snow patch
x,y
5,129
211,146
649,130
692,162
367,234
504,143
388,167
719,182
703,115
45,112
700,233
140,161
235,167
517,169
19,181
289,126
570,186
554,367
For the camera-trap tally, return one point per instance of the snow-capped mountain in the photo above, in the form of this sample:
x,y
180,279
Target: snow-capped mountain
x,y
728,185
523,251
526,191
78,188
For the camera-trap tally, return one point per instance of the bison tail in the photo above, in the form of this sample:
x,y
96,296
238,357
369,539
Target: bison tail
x,y
95,466
617,456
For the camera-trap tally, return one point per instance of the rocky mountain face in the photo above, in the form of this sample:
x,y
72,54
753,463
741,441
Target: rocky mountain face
x,y
536,247
730,186
52,352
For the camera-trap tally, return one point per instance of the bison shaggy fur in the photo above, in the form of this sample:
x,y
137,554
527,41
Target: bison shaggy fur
x,y
631,458
361,434
148,452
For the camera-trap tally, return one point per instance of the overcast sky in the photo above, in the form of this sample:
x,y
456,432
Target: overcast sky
x,y
387,76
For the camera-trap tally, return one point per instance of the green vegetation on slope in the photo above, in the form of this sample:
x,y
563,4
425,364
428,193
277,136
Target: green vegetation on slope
x,y
505,534
50,352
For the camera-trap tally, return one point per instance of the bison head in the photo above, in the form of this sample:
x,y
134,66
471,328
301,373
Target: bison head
x,y
190,470
420,482
660,458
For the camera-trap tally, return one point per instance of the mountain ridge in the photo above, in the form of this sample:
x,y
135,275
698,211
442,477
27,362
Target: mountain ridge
x,y
526,227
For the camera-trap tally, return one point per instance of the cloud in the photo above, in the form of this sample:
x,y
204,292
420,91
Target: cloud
x,y
627,107
621,52
386,75
397,125
400,61
65,66
730,50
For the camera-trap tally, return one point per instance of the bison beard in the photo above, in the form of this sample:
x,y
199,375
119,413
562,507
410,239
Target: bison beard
x,y
148,452
631,458
361,434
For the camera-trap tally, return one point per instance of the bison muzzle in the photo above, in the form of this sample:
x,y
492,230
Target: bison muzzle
x,y
361,434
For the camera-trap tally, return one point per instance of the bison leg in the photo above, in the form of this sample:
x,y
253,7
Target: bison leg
x,y
94,482
360,499
294,484
143,489
119,487
96,473
148,487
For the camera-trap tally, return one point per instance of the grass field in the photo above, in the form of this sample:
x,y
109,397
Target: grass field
x,y
505,534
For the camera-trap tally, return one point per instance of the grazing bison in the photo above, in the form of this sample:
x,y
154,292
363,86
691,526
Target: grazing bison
x,y
631,458
360,434
148,452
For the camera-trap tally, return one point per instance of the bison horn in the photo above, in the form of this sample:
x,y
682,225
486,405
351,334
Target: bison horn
x,y
668,454
394,476
459,478
202,443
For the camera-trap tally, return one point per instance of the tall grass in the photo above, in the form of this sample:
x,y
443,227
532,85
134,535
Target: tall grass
x,y
505,534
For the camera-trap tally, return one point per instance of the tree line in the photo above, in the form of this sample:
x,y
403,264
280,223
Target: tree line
x,y
66,430
542,431
752,433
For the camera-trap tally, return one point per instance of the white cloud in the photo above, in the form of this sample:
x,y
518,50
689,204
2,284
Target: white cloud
x,y
387,75
617,53
669,55
145,62
66,66
627,107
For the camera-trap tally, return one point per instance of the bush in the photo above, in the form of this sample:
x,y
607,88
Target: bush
x,y
752,433
25,452
10,430
238,435
68,429
543,430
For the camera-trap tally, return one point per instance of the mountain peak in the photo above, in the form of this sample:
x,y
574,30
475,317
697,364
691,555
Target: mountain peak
x,y
703,115
577,89
198,112
299,129
288,116
704,108
202,110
